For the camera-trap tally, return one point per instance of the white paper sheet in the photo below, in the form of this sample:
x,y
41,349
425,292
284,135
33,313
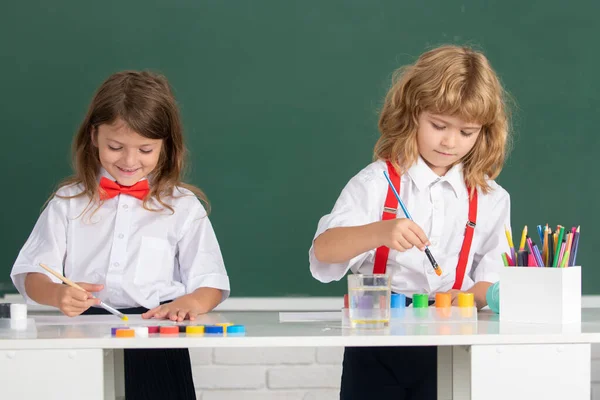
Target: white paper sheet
x,y
134,320
310,316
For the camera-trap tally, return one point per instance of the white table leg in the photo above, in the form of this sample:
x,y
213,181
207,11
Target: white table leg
x,y
444,373
109,375
500,372
52,374
119,374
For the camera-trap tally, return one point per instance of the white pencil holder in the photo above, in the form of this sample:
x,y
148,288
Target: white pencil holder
x,y
540,295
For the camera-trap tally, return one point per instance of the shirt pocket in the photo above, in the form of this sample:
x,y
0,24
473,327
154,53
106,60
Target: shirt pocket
x,y
455,239
155,262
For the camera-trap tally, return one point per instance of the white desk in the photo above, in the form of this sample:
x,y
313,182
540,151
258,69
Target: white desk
x,y
487,360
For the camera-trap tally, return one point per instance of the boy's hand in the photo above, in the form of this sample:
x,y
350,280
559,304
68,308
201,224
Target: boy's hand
x,y
402,234
73,302
454,294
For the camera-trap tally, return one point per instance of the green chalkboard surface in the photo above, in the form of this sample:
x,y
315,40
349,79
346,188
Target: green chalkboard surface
x,y
280,101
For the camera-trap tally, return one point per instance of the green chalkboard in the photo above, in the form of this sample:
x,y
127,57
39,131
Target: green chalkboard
x,y
280,101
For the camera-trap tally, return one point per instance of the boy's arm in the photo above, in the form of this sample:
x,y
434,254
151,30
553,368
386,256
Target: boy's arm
x,y
479,291
487,259
337,245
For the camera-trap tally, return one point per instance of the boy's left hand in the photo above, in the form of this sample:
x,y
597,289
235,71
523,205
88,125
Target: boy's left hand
x,y
177,310
454,294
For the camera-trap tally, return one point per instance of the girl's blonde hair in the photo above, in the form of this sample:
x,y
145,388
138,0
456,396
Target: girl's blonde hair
x,y
145,102
449,80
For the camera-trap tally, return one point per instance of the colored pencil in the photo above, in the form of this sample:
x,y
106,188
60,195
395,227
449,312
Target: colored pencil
x,y
558,247
574,247
522,245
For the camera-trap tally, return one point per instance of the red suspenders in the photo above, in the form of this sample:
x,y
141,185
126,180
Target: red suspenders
x,y
389,212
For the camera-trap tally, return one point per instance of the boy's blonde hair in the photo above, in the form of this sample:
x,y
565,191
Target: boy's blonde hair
x,y
449,80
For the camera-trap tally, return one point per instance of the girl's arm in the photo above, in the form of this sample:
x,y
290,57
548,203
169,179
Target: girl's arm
x,y
69,300
47,244
189,306
41,289
201,269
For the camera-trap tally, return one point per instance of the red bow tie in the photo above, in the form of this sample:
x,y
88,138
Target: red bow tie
x,y
111,189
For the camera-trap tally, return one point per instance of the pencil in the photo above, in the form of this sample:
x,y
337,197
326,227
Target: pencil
x,y
510,241
536,260
562,253
434,264
522,259
574,248
566,257
545,246
550,247
537,254
557,250
76,286
522,245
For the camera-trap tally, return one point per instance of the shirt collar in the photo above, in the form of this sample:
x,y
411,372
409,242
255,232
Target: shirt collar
x,y
104,173
423,177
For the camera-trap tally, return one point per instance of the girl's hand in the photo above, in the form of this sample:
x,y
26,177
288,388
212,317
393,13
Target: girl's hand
x,y
402,234
177,310
73,302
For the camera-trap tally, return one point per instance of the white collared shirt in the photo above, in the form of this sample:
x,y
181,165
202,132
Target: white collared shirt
x,y
141,257
439,205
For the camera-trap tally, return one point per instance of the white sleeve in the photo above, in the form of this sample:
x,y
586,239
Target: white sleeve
x,y
46,244
199,255
356,205
487,259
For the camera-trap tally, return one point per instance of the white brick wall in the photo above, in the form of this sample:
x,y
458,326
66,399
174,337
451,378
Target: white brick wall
x,y
302,373
285,373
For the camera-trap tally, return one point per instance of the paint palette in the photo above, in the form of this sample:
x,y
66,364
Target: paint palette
x,y
422,310
220,329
